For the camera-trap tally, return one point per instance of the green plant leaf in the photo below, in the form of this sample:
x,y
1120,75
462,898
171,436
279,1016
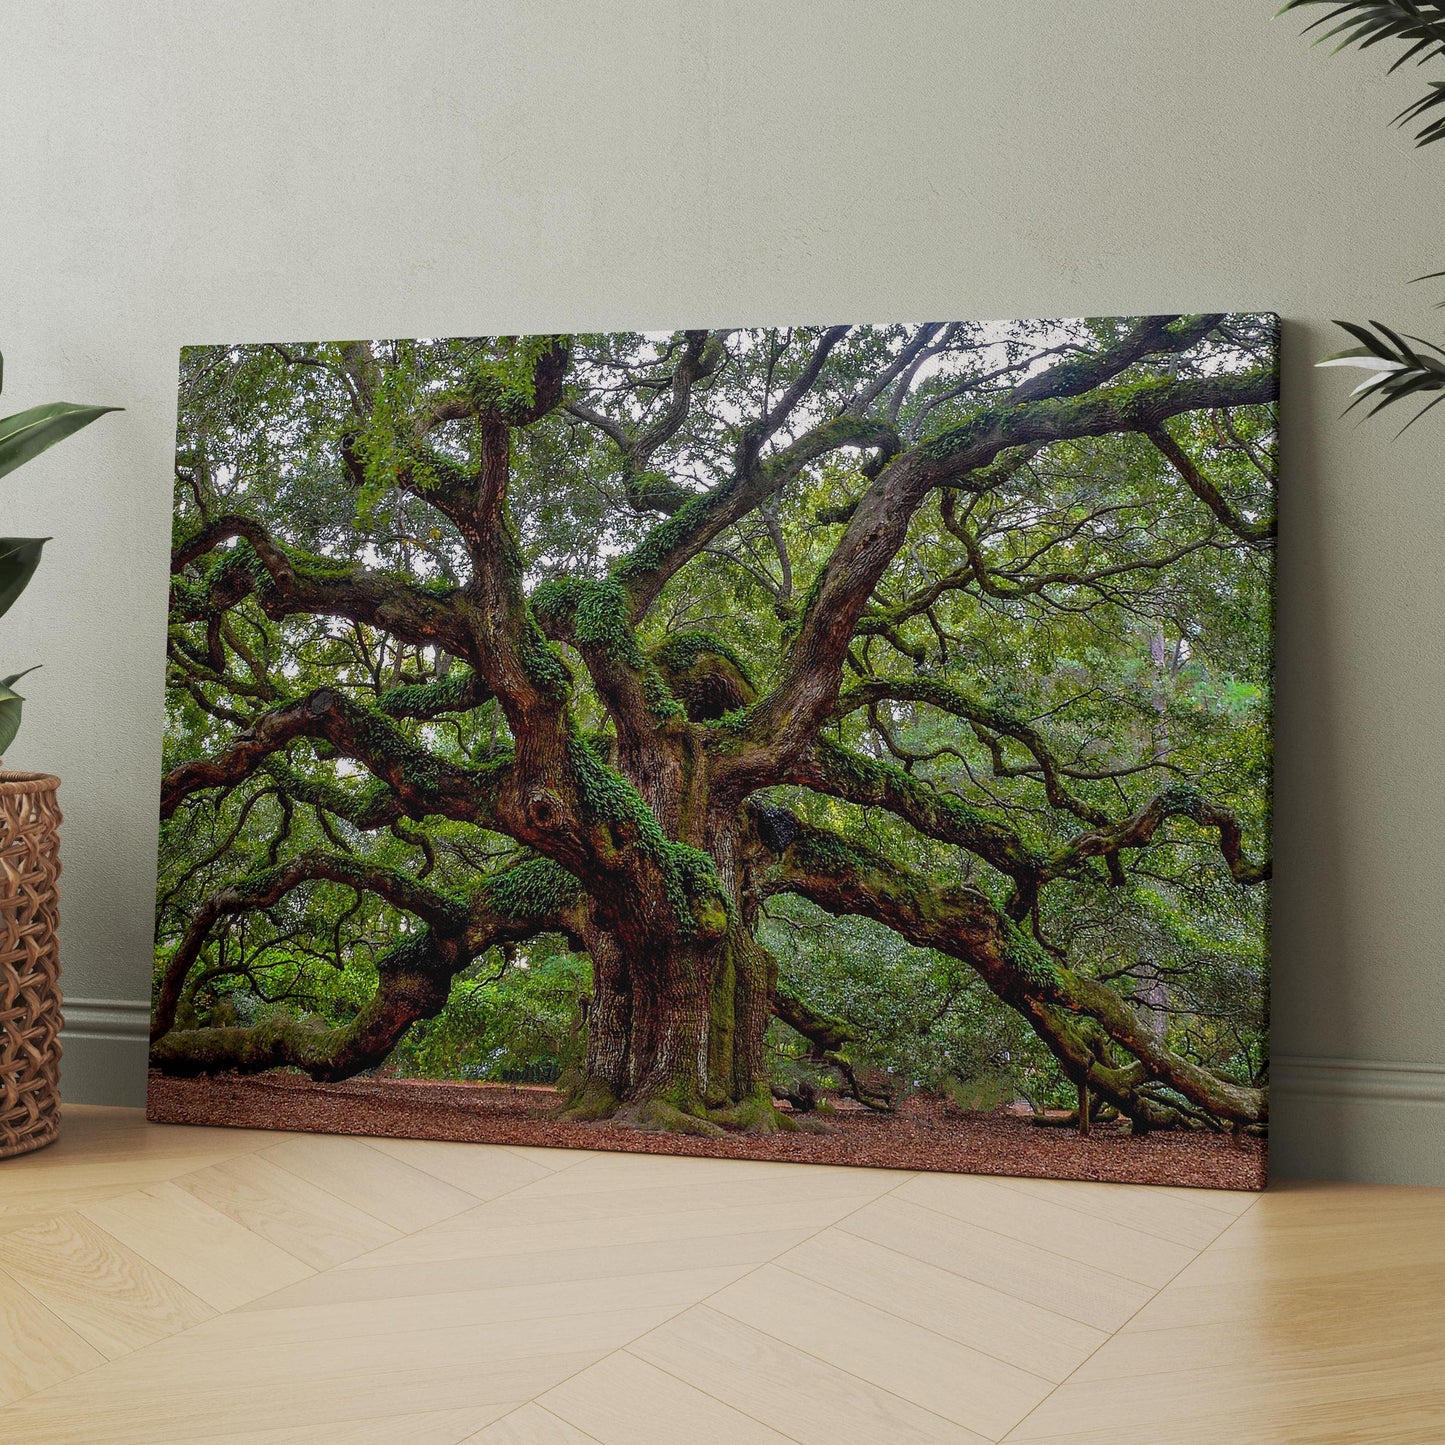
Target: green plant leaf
x,y
1419,24
1398,370
19,557
10,704
28,433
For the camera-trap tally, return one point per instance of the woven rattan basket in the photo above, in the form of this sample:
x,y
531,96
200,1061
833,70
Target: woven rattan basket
x,y
29,962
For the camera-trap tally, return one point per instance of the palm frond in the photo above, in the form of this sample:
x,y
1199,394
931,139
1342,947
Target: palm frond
x,y
1418,24
1401,367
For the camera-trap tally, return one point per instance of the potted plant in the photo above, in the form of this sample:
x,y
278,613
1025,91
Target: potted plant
x,y
29,845
1401,367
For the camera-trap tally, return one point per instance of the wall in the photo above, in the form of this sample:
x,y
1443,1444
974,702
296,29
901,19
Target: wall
x,y
245,171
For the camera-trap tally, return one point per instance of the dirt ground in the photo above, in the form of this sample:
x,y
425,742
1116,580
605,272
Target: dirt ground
x,y
926,1133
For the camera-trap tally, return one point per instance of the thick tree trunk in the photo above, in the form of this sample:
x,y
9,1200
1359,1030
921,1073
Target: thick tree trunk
x,y
675,1026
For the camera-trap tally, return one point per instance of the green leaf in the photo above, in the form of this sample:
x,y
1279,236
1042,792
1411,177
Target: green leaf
x,y
1419,24
28,433
10,703
19,557
1400,371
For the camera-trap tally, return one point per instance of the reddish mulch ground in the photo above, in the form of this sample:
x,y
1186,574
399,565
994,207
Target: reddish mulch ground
x,y
926,1133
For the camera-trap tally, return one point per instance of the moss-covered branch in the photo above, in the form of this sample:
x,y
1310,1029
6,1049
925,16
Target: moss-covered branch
x,y
1136,831
286,580
844,773
414,975
421,782
1068,401
1081,1020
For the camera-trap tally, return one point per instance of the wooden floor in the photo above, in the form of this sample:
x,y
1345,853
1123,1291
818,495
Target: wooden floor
x,y
160,1283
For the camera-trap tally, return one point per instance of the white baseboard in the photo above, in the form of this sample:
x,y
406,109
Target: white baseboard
x,y
1366,1120
1308,1077
1356,1119
106,1018
104,1045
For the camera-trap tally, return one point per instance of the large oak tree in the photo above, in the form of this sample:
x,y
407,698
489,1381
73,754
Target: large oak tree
x,y
627,638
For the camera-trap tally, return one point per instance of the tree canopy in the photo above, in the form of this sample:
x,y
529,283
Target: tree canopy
x,y
705,717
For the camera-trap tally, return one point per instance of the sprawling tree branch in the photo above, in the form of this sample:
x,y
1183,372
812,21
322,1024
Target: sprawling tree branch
x,y
998,720
422,782
673,543
1207,492
805,696
844,773
287,581
963,922
414,975
1136,831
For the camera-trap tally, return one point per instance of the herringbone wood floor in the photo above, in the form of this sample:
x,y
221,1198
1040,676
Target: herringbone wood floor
x,y
160,1284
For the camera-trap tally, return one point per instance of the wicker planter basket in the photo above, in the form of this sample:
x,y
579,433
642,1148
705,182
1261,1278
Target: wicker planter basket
x,y
29,962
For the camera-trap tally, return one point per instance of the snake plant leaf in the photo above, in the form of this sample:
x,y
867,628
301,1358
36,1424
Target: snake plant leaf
x,y
19,557
10,704
28,433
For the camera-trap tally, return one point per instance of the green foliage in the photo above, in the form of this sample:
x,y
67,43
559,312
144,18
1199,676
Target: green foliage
x,y
513,1017
1081,588
26,434
1398,369
23,437
681,651
1418,24
597,611
538,888
921,1019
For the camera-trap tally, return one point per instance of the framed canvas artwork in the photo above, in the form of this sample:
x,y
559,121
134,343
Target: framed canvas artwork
x,y
845,744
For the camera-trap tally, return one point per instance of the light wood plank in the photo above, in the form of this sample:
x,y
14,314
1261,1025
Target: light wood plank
x,y
195,1365
508,1227
143,1415
1025,1271
1377,1299
600,1173
432,1427
977,1315
481,1170
205,1251
370,1180
536,1267
1130,1253
1260,1403
531,1425
393,1314
625,1401
964,1385
111,1297
295,1215
794,1391
535,1297
37,1347
1227,1201
1154,1211
549,1159
116,1175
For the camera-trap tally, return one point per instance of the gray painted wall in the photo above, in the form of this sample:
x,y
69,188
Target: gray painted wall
x,y
256,170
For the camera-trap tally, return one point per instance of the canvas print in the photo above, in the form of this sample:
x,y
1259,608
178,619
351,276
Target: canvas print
x,y
828,743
